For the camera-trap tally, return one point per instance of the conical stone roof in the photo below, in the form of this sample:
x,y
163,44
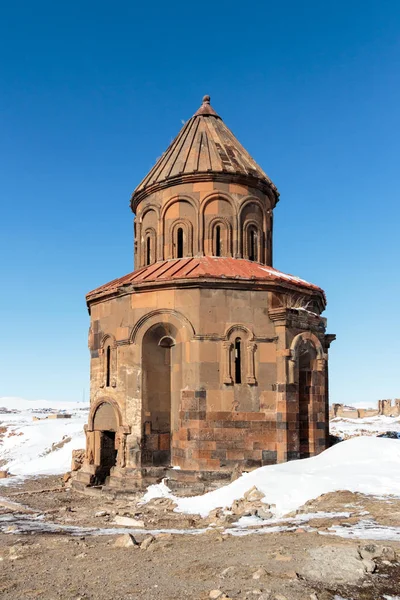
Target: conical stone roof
x,y
205,149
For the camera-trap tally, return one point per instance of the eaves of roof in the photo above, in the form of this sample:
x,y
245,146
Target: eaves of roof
x,y
203,271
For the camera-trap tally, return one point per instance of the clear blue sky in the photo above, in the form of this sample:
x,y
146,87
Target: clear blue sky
x,y
91,93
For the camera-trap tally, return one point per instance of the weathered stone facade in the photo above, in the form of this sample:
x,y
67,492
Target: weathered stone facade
x,y
205,357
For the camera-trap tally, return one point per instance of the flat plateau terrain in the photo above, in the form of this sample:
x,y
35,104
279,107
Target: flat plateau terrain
x,y
62,544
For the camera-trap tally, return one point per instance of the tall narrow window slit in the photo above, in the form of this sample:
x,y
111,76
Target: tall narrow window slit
x,y
179,241
108,366
238,361
252,245
148,250
218,241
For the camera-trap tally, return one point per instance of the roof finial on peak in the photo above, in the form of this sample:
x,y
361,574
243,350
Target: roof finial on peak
x,y
206,110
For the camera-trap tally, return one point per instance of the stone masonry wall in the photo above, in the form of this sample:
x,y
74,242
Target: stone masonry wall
x,y
213,441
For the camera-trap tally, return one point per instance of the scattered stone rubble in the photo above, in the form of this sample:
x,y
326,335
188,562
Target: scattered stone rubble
x,y
331,565
250,505
78,456
290,570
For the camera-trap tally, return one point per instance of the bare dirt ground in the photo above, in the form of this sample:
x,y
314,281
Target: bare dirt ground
x,y
301,562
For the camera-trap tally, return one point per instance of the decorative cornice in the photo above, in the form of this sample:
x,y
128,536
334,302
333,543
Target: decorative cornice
x,y
278,314
206,282
266,340
210,337
123,342
292,317
213,337
329,338
245,180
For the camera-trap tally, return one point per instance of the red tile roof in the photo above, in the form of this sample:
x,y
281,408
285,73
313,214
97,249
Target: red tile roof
x,y
201,267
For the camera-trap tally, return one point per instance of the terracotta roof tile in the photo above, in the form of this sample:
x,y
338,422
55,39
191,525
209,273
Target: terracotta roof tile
x,y
201,267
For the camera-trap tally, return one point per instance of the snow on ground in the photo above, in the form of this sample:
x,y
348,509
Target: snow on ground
x,y
367,465
26,446
344,428
19,523
16,403
365,530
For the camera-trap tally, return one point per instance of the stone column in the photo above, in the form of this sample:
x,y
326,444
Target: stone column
x,y
279,317
227,371
102,368
268,238
251,367
329,338
139,244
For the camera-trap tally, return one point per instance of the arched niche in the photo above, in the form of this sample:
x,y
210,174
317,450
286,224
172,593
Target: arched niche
x,y
108,355
107,412
184,327
149,224
252,230
163,336
306,364
219,237
149,246
179,212
297,344
103,442
252,241
181,239
159,365
218,210
307,374
239,356
105,418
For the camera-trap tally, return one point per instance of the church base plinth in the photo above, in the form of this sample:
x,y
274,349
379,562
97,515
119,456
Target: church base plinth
x,y
134,479
196,482
131,480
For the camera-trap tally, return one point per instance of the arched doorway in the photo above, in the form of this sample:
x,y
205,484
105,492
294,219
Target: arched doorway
x,y
306,365
158,349
105,426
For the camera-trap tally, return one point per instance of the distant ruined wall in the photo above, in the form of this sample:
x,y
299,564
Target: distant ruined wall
x,y
388,408
385,407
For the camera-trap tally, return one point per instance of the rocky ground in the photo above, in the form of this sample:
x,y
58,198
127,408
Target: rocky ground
x,y
295,559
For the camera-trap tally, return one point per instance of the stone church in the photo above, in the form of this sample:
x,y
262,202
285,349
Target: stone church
x,y
205,358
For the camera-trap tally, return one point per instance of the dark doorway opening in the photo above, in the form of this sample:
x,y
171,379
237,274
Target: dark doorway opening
x,y
307,357
304,412
108,456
